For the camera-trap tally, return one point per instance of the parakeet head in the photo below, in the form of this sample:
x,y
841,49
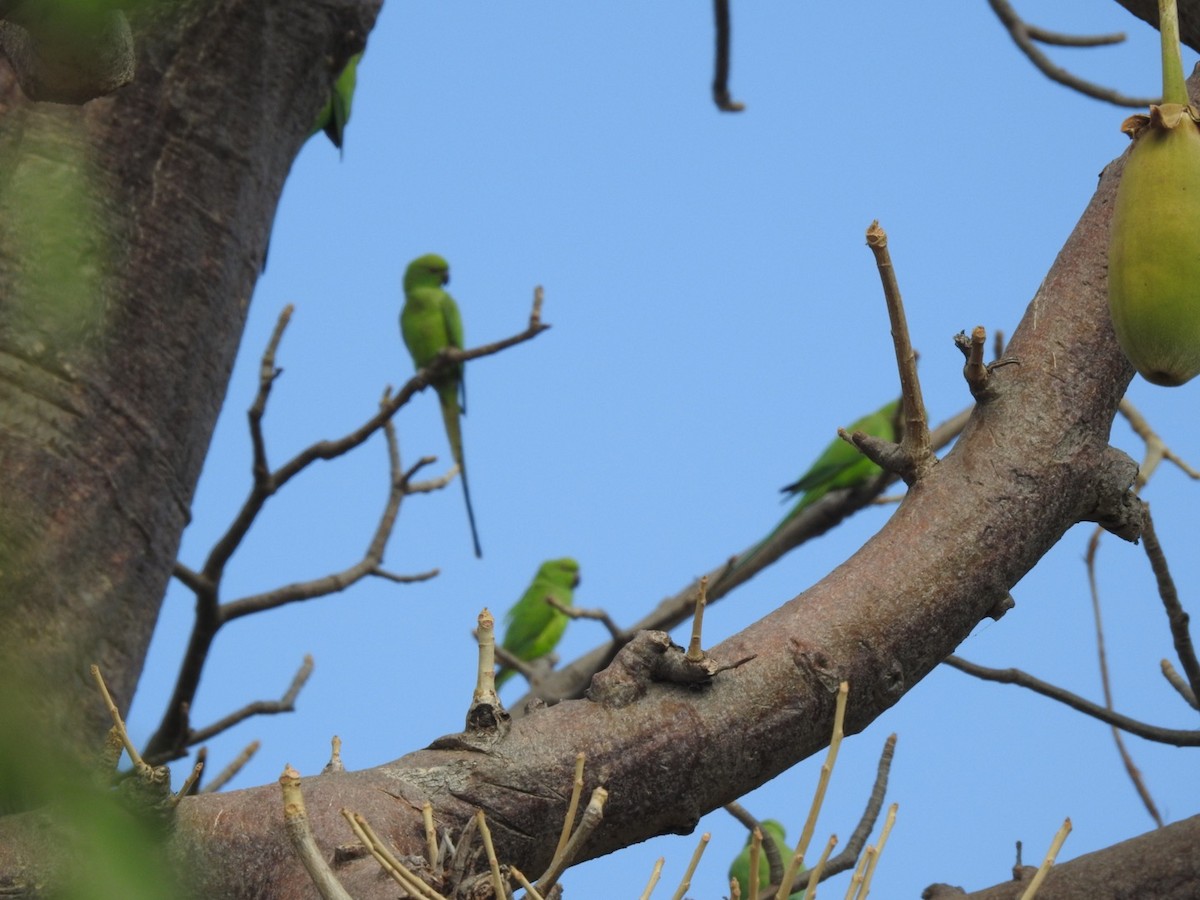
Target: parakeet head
x,y
429,270
562,571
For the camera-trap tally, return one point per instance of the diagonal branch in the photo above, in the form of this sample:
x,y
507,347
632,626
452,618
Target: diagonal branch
x,y
1173,736
570,681
1025,36
1135,774
170,739
1176,616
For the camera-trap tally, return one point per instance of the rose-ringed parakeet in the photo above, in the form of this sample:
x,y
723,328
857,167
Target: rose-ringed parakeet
x,y
335,113
740,868
840,465
533,626
430,322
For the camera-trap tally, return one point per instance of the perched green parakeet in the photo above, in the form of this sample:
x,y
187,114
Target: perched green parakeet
x,y
840,465
740,869
430,322
335,113
533,627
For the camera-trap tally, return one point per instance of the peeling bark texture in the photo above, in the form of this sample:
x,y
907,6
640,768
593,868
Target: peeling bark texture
x,y
108,399
111,380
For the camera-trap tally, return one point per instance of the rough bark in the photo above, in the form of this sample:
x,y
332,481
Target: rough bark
x,y
108,398
105,415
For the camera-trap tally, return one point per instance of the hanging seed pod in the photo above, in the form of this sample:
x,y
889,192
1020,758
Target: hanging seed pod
x,y
1154,246
1154,239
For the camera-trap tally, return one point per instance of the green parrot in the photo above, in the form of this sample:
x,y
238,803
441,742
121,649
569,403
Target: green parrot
x,y
740,869
335,113
840,465
533,627
430,322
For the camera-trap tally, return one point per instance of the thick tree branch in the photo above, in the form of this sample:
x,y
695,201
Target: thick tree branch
x,y
882,620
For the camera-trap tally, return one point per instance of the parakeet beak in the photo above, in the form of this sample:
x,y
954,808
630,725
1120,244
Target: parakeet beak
x,y
575,583
445,278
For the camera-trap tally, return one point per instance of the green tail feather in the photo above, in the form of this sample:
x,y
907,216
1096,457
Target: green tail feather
x,y
448,399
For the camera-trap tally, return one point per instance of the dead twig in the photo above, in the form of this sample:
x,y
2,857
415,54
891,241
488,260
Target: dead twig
x,y
1025,36
1174,736
1135,774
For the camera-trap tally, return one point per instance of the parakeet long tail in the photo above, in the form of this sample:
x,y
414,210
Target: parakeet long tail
x,y
448,399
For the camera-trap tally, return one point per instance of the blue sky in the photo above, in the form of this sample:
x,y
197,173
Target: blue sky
x,y
716,316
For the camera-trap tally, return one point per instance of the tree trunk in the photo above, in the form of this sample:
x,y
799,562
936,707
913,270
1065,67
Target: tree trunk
x,y
111,379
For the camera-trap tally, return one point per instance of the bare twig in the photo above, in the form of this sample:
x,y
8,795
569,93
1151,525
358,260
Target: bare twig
x,y
295,821
695,651
335,763
267,373
531,893
1176,616
600,615
485,834
655,874
1024,36
285,704
1135,774
1176,681
1173,736
873,853
720,86
686,881
810,824
431,842
816,872
236,765
189,783
916,446
593,814
849,854
1048,861
1156,448
768,844
569,682
118,722
572,808
170,738
400,873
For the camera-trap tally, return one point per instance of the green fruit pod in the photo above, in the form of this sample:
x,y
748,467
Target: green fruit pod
x,y
1154,246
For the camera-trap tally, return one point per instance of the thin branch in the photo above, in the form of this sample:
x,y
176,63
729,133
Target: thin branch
x,y
295,821
1135,774
1176,681
1173,736
720,85
285,704
1176,616
1156,448
1024,35
267,373
770,847
336,581
1048,861
848,856
593,815
569,682
916,450
618,633
686,881
236,765
1061,39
